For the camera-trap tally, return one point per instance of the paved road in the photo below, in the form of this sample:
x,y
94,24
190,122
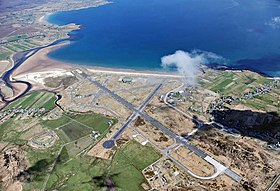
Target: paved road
x,y
123,128
135,88
179,139
117,97
135,114
273,183
233,175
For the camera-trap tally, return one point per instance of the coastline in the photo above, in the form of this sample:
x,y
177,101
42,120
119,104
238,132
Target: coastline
x,y
124,67
39,62
44,18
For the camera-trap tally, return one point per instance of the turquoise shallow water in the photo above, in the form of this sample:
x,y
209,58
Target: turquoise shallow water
x,y
136,34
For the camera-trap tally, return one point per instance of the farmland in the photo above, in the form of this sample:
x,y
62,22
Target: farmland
x,y
34,100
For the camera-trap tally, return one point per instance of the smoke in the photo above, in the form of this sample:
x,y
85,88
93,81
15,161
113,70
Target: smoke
x,y
187,63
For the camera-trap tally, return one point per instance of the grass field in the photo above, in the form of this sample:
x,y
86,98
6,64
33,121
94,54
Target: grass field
x,y
34,100
11,130
76,147
97,122
19,37
233,83
74,131
74,126
40,162
11,48
5,55
83,174
8,132
74,172
31,43
87,173
52,124
128,163
20,46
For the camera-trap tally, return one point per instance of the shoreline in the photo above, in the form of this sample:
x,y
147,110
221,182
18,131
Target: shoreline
x,y
39,61
140,71
44,18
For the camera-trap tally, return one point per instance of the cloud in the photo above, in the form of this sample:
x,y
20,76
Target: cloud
x,y
187,63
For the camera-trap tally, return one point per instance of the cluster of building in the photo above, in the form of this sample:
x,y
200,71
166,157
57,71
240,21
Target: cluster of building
x,y
275,146
110,123
220,103
95,135
163,175
31,112
264,89
175,97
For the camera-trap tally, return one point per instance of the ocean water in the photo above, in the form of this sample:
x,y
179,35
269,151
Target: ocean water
x,y
135,34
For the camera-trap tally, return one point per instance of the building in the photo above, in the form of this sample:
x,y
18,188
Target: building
x,y
126,80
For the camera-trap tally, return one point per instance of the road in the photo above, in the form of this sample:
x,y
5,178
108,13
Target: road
x,y
135,114
180,140
273,183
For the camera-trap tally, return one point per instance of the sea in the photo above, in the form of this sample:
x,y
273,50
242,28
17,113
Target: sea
x,y
136,34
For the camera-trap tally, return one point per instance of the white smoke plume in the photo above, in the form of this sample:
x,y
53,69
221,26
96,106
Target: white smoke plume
x,y
187,63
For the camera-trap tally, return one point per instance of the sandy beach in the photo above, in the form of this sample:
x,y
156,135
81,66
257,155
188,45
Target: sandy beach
x,y
132,72
44,18
39,66
40,62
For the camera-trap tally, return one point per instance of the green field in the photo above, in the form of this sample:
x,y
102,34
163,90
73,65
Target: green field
x,y
52,124
87,174
128,163
19,37
41,162
5,55
97,122
76,147
31,43
34,100
11,48
83,174
20,46
80,125
74,131
10,131
50,104
232,83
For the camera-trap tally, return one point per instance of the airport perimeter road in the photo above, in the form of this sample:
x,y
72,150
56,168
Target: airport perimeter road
x,y
179,139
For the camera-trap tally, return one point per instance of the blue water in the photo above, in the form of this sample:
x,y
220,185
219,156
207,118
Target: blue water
x,y
135,34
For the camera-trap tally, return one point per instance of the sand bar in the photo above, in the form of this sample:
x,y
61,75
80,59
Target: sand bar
x,y
4,66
